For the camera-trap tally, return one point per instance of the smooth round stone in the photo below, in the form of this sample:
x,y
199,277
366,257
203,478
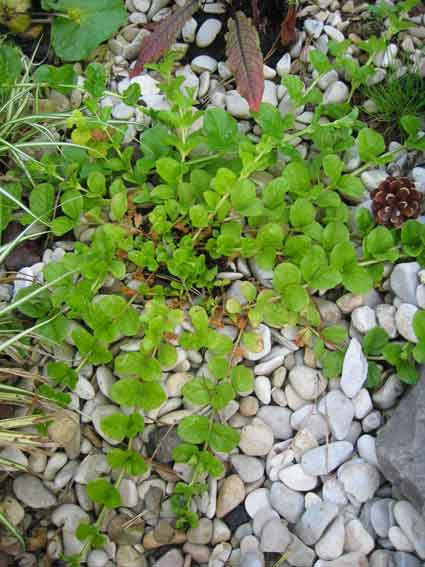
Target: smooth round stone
x,y
340,412
313,27
128,493
366,447
91,467
289,503
399,539
331,544
263,389
105,380
381,516
325,459
256,500
31,492
202,534
360,480
357,538
283,66
386,319
237,106
337,92
404,281
363,319
333,491
256,439
275,537
404,321
314,522
278,419
248,468
307,382
362,403
230,495
189,30
295,478
354,369
261,518
207,32
412,524
204,63
251,559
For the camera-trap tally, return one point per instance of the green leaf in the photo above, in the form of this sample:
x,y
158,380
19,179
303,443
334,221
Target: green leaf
x,y
407,372
270,120
364,220
185,452
327,278
61,78
42,201
119,205
219,366
419,325
379,243
333,167
336,334
370,144
351,187
410,124
297,178
223,438
301,213
222,394
103,492
132,94
211,464
96,182
75,36
62,374
167,355
10,66
169,169
194,429
419,353
37,306
220,130
357,280
412,237
319,61
132,393
286,274
332,363
62,225
96,79
115,426
197,391
199,216
242,380
130,461
296,297
135,425
374,341
72,204
373,375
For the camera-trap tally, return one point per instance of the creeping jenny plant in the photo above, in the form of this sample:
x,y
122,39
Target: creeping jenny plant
x,y
153,231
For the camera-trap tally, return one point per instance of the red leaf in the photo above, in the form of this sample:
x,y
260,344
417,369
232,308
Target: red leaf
x,y
245,59
288,33
164,35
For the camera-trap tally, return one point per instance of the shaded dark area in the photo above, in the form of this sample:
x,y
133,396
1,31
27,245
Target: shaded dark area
x,y
271,15
236,517
25,254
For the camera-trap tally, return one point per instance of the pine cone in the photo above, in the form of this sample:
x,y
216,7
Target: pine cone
x,y
395,201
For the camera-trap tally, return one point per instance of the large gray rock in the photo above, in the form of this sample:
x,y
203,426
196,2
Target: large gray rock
x,y
400,446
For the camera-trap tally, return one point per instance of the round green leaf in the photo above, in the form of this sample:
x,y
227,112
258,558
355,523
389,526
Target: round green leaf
x,y
194,429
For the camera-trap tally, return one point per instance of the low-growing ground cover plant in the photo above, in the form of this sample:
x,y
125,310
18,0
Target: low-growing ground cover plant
x,y
152,232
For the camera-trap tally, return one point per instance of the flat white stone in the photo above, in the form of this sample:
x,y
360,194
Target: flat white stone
x,y
354,369
295,478
207,32
412,524
325,459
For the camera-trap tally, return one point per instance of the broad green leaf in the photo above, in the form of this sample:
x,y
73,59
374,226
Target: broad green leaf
x,y
335,334
220,130
301,213
286,274
242,380
76,34
194,429
357,280
374,341
419,325
103,492
223,438
197,391
371,144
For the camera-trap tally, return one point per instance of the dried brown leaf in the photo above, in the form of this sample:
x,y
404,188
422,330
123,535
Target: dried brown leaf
x,y
288,33
245,59
164,35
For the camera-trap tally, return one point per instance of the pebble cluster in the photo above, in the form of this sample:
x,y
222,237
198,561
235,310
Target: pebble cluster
x,y
305,481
